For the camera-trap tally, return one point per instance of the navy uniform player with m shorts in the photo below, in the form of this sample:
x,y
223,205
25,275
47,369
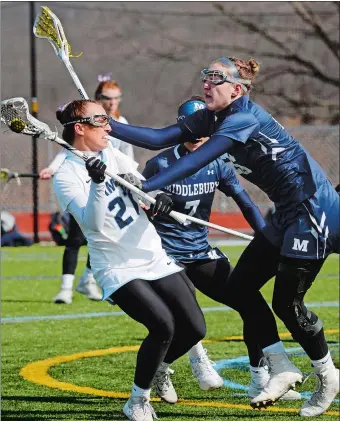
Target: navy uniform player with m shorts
x,y
303,231
208,268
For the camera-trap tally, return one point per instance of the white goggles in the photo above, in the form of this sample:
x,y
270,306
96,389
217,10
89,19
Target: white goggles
x,y
217,77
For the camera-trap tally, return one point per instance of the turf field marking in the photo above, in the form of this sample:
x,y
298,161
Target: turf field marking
x,y
23,319
37,372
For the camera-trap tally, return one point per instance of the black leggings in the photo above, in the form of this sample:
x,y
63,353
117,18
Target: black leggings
x,y
211,278
258,264
74,241
169,310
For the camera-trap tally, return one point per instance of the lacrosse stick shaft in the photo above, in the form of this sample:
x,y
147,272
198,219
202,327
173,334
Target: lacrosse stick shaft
x,y
75,78
27,175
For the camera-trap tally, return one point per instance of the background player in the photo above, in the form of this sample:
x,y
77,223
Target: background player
x,y
109,94
208,268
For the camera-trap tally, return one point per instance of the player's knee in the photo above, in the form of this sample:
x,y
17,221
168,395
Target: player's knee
x,y
291,309
164,329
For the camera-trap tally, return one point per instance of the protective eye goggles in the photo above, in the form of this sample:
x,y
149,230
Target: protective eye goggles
x,y
110,98
217,77
97,120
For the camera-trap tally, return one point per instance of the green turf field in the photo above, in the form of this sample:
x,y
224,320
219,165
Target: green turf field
x,y
78,383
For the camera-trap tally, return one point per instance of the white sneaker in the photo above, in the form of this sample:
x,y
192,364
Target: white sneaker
x,y
64,296
163,384
326,389
90,288
282,377
138,408
259,379
207,376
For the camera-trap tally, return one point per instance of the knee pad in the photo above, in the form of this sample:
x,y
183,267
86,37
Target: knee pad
x,y
291,309
307,321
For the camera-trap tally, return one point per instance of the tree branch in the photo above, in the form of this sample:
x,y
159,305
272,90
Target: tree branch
x,y
308,16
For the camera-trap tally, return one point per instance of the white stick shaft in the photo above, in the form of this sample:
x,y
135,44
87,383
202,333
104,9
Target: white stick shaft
x,y
75,78
219,228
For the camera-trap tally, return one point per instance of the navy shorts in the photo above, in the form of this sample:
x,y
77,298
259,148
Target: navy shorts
x,y
311,230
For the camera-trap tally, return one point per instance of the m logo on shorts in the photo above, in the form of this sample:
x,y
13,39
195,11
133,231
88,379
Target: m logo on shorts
x,y
300,245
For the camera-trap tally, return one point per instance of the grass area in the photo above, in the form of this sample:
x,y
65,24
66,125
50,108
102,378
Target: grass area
x,y
31,278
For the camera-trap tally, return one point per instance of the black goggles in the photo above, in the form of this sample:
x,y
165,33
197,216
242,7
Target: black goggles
x,y
97,120
217,77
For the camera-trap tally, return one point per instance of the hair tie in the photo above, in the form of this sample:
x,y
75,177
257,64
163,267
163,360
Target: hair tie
x,y
104,78
62,107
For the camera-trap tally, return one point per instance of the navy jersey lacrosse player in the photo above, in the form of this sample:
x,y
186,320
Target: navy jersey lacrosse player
x,y
303,231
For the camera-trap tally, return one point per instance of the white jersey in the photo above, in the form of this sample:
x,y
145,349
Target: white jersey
x,y
122,242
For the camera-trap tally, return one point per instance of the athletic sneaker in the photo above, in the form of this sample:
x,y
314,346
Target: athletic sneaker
x,y
64,296
138,408
326,389
259,379
282,377
207,376
163,384
90,288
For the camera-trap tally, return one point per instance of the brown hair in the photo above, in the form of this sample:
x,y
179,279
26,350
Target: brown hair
x,y
110,84
246,69
69,112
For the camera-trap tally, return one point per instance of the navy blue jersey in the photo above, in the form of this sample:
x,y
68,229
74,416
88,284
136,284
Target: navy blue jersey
x,y
192,196
260,149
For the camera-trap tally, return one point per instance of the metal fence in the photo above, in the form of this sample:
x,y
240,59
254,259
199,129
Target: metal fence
x,y
321,141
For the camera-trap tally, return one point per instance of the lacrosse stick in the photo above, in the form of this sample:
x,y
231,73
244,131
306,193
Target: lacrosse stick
x,y
6,175
47,25
15,114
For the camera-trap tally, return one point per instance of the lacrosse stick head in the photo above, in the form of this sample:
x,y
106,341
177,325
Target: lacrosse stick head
x,y
15,115
6,175
47,25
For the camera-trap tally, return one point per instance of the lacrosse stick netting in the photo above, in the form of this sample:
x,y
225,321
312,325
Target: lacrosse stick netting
x,y
48,26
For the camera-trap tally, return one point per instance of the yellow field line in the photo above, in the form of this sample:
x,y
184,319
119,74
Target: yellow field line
x,y
240,338
37,372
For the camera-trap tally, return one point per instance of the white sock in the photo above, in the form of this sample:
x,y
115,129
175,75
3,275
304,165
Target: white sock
x,y
138,391
276,348
324,362
196,351
86,275
258,370
67,281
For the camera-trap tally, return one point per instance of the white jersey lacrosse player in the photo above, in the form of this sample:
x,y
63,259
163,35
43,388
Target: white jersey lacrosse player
x,y
122,242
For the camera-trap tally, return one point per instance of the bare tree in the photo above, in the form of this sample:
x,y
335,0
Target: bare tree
x,y
299,56
311,74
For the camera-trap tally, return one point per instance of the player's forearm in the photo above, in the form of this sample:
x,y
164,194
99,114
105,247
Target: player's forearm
x,y
145,137
93,214
250,211
189,164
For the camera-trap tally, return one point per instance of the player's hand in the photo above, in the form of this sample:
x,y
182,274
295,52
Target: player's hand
x,y
46,173
96,169
163,205
132,179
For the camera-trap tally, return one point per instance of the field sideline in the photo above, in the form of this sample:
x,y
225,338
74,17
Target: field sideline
x,y
76,362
